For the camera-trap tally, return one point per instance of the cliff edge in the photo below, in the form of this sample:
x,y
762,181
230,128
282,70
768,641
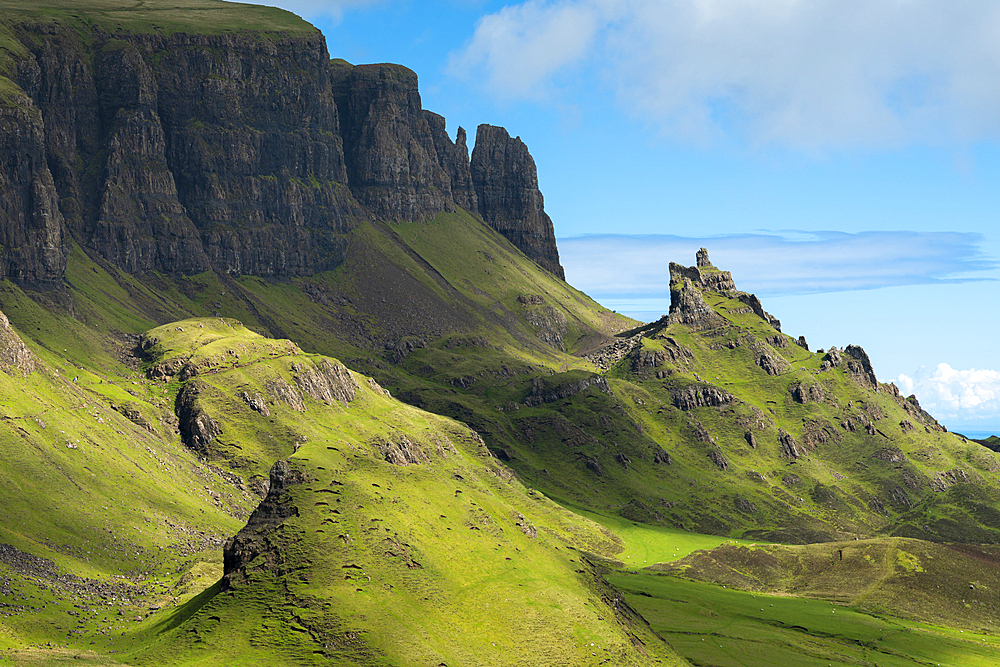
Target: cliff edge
x,y
181,147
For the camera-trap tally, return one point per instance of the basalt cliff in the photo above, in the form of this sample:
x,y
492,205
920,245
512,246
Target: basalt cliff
x,y
246,152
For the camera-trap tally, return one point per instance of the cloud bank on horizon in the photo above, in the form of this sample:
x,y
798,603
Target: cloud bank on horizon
x,y
615,267
967,397
810,74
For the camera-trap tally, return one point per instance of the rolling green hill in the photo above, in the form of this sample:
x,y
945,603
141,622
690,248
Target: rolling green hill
x,y
267,399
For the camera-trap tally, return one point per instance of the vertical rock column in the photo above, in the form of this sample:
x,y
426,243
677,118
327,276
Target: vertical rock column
x,y
393,165
141,225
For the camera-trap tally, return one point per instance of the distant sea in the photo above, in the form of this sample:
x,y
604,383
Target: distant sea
x,y
975,435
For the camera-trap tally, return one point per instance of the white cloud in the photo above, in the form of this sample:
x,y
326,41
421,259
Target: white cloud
x,y
805,73
957,396
618,269
522,46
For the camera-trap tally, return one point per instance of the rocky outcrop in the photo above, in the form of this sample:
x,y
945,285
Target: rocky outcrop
x,y
755,306
769,361
701,258
454,159
704,276
860,366
549,322
700,396
787,447
402,451
251,542
15,357
244,153
687,305
389,147
326,381
543,392
506,184
807,393
198,428
719,460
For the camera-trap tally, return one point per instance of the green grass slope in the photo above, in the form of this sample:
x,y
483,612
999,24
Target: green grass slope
x,y
714,625
885,601
403,540
691,430
104,515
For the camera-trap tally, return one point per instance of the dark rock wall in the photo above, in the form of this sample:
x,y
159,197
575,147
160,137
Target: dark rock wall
x,y
454,158
247,154
506,183
252,139
140,224
32,248
392,162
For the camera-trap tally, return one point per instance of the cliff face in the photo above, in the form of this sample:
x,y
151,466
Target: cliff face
x,y
392,161
190,152
32,249
505,180
246,153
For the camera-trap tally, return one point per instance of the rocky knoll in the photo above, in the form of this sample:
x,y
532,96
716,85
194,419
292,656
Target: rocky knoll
x,y
506,183
686,303
246,153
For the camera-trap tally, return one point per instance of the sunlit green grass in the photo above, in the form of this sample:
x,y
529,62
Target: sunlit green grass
x,y
646,544
709,624
158,16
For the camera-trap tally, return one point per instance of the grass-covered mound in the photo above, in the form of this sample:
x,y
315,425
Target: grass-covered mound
x,y
387,535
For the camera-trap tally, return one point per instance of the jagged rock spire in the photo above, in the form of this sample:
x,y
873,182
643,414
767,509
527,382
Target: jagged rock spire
x,y
701,258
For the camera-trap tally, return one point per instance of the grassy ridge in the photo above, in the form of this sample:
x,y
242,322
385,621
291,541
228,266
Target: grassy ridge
x,y
428,562
163,17
943,584
106,514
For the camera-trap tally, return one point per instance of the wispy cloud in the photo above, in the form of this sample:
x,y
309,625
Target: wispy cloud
x,y
806,73
621,269
958,396
524,45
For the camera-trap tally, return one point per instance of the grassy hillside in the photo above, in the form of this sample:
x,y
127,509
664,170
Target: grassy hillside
x,y
156,16
713,625
438,453
658,437
406,541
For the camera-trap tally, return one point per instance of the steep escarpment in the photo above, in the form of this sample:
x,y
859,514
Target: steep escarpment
x,y
248,153
32,247
392,160
187,152
506,183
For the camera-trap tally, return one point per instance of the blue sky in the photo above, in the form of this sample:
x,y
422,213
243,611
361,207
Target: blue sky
x,y
840,157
